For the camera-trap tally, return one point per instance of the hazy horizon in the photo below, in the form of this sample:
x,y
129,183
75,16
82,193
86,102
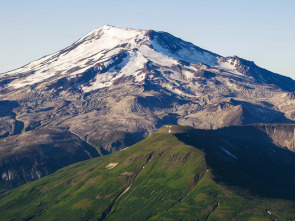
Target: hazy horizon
x,y
262,32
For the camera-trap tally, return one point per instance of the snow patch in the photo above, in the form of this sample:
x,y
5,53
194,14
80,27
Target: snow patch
x,y
228,153
188,53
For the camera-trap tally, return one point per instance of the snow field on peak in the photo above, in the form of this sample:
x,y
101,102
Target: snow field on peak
x,y
130,66
231,66
187,53
100,48
78,55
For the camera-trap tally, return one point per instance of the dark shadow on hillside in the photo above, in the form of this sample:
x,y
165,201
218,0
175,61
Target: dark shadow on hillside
x,y
6,108
253,113
168,119
246,160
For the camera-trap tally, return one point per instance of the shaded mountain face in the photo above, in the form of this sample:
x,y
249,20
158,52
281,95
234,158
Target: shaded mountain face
x,y
178,172
115,86
247,157
282,135
38,153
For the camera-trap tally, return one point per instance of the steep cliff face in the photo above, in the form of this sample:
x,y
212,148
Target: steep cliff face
x,y
282,134
38,153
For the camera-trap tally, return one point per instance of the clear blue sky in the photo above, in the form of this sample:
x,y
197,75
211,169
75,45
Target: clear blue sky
x,y
260,30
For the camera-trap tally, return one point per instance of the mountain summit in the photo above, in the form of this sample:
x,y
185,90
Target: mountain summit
x,y
112,53
108,54
115,86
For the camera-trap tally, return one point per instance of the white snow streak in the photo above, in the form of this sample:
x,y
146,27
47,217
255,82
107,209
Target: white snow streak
x,y
229,153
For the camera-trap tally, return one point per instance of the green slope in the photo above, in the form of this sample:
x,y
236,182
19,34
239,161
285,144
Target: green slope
x,y
159,178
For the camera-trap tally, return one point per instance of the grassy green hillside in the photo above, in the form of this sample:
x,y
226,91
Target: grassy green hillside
x,y
178,173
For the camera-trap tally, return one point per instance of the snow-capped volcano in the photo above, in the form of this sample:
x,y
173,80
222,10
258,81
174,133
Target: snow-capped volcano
x,y
144,66
115,86
107,54
113,52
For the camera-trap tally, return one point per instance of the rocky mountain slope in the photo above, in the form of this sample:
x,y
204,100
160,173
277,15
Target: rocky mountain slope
x,y
38,154
282,135
115,86
178,172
